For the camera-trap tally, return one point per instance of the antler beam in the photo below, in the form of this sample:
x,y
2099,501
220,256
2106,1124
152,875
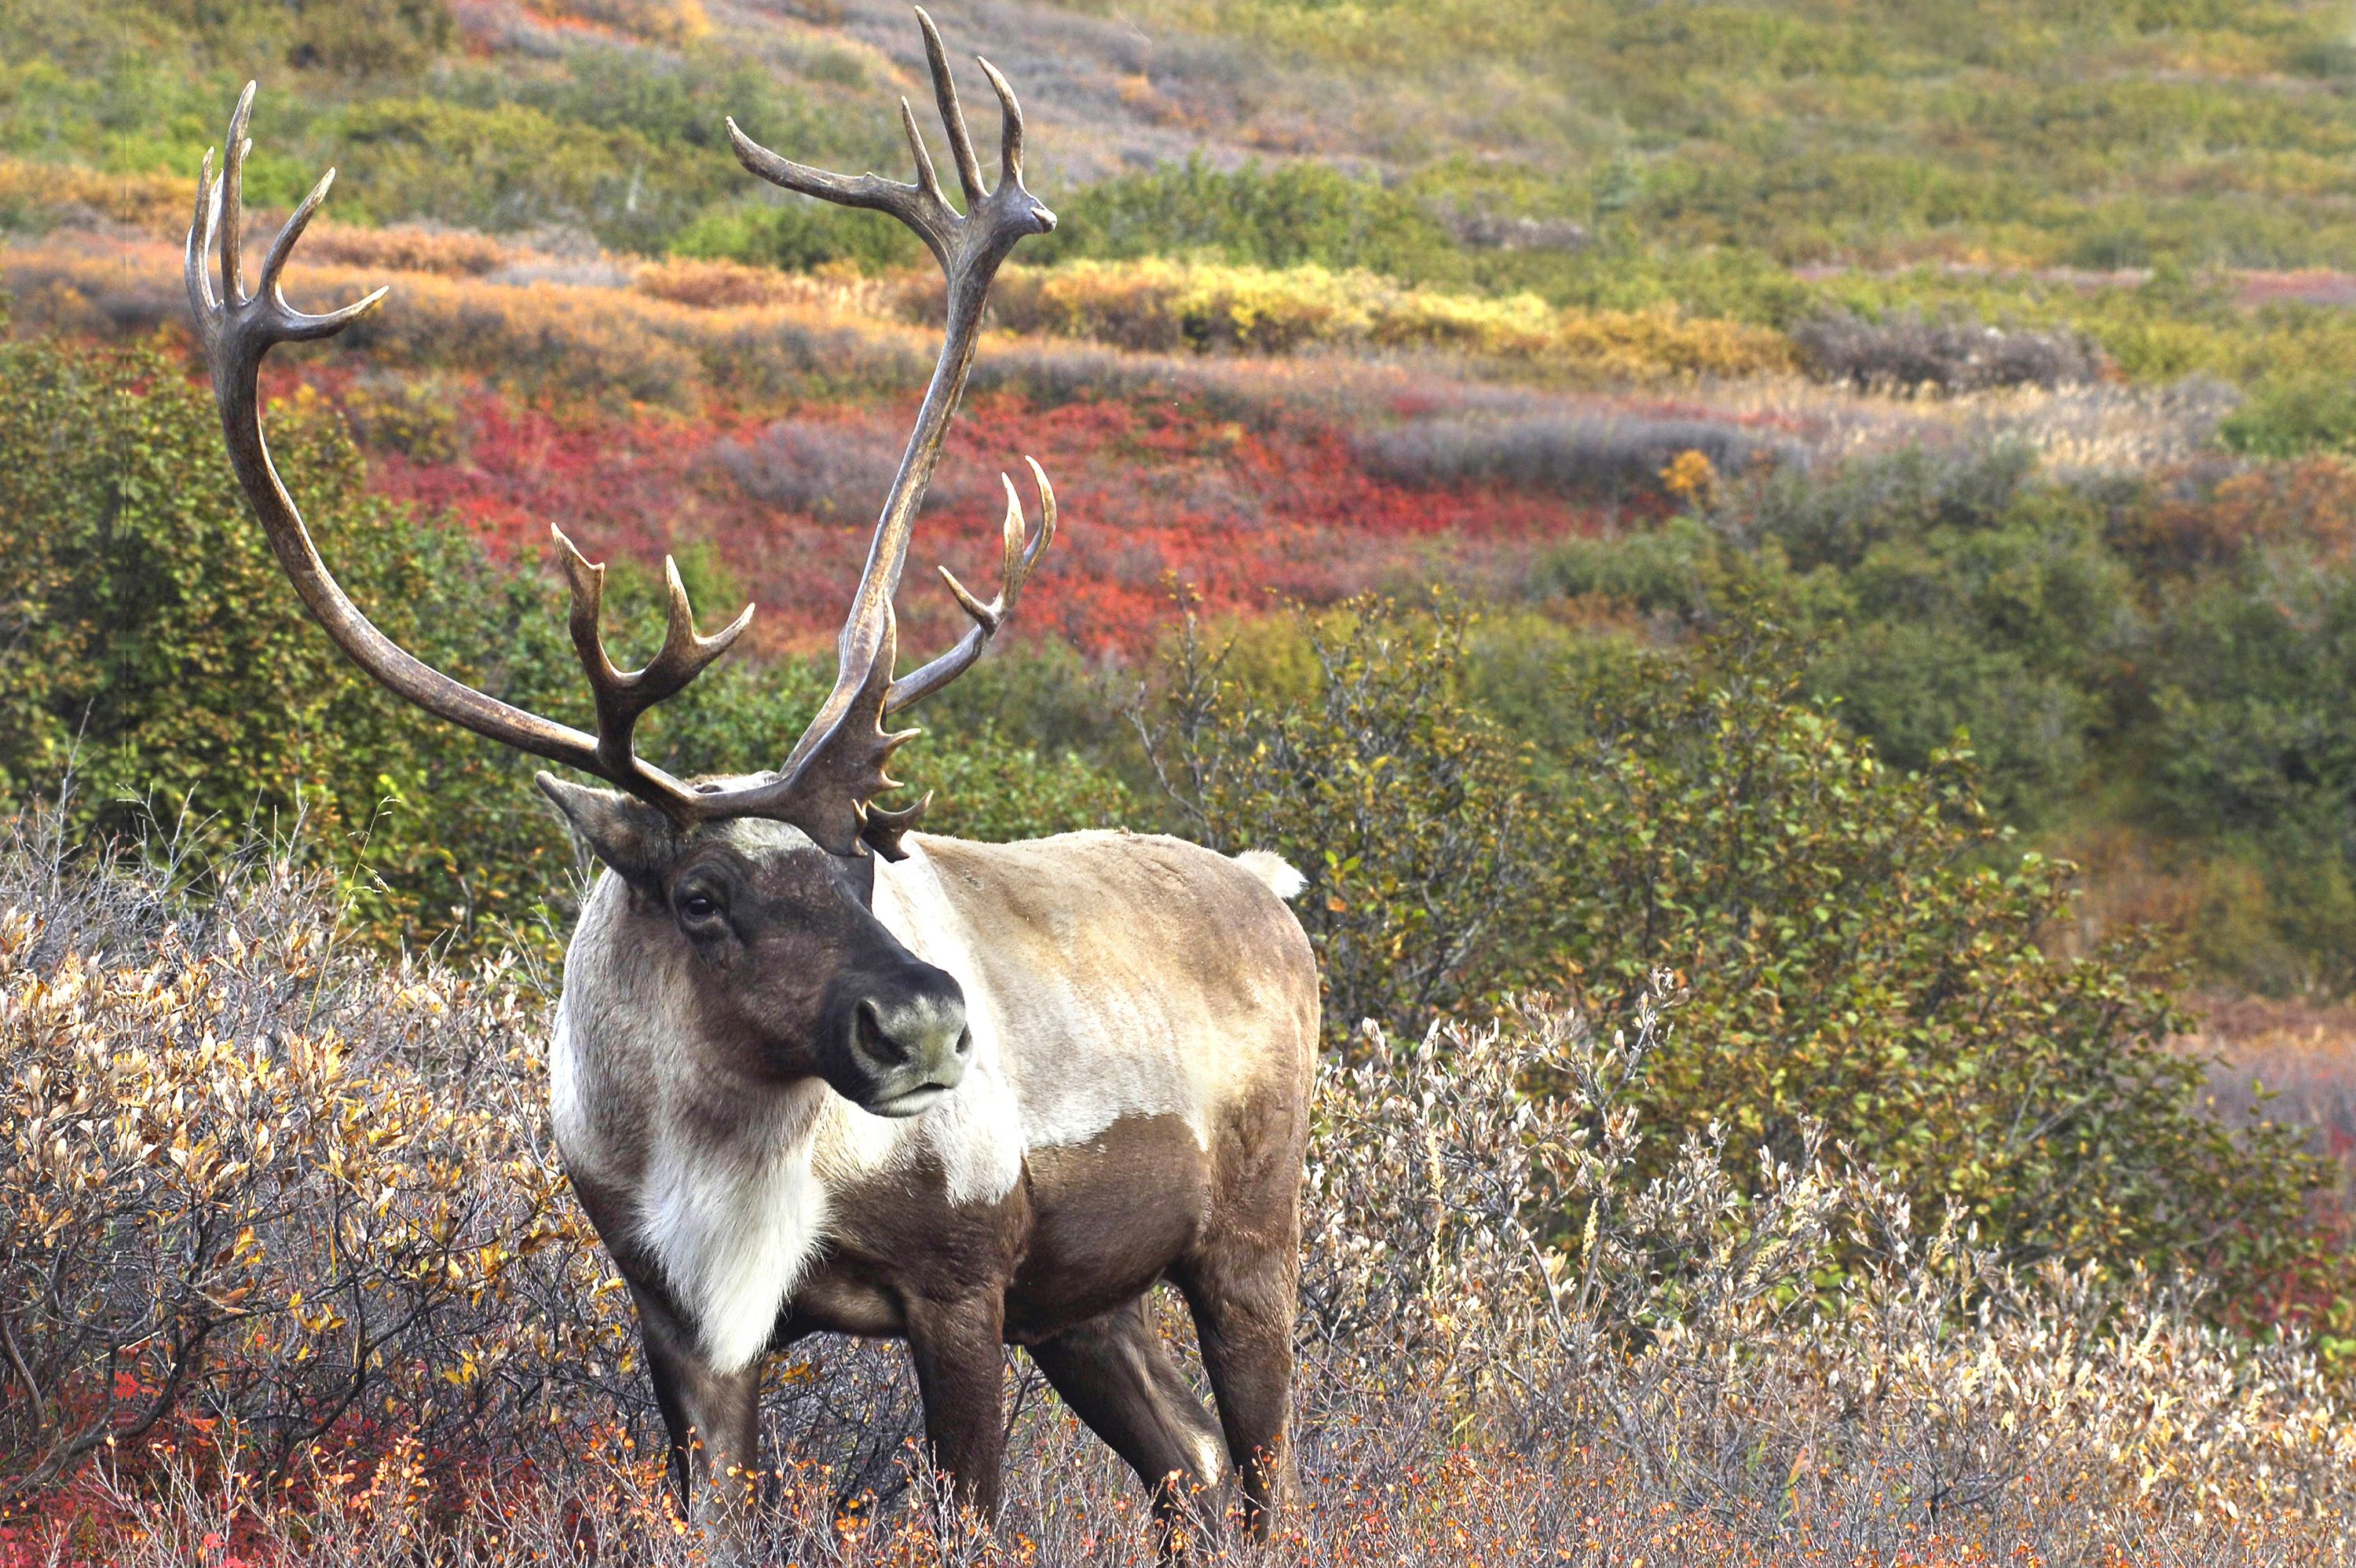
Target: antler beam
x,y
238,328
843,752
837,768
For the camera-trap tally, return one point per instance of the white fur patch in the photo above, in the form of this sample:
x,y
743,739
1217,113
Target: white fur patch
x,y
566,1111
730,1221
1273,870
1050,1086
976,1132
732,1227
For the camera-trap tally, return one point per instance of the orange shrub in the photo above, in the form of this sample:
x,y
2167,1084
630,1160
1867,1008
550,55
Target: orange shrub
x,y
38,195
670,22
716,285
405,248
595,344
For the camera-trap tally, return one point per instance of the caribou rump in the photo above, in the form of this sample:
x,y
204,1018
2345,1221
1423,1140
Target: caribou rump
x,y
814,1069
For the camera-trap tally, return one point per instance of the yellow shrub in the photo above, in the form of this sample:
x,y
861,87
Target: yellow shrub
x,y
152,204
1165,306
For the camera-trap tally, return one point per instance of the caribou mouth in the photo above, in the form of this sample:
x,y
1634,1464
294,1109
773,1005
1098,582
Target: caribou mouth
x,y
911,1102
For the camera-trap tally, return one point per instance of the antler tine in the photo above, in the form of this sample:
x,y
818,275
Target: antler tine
x,y
197,260
622,696
1010,123
273,265
927,180
1019,553
945,93
233,197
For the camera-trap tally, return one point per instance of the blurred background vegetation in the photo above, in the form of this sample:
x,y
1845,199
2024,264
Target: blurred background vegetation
x,y
1852,503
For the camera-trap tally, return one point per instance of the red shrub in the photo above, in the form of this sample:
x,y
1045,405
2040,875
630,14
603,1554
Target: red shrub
x,y
1152,496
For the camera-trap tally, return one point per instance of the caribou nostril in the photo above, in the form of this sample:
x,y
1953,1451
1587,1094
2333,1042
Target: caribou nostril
x,y
965,1042
871,1038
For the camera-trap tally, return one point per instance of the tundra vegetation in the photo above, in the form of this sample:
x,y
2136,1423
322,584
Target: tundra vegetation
x,y
1785,573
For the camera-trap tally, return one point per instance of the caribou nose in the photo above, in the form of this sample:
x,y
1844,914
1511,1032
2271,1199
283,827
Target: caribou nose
x,y
919,1036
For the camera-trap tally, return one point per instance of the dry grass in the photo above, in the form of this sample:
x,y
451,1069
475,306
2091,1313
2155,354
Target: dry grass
x,y
2296,1061
699,334
1512,1353
41,196
558,338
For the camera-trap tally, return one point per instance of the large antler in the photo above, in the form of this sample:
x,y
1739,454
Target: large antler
x,y
238,328
838,767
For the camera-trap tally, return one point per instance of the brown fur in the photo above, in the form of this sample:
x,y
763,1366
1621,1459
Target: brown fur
x,y
1148,1008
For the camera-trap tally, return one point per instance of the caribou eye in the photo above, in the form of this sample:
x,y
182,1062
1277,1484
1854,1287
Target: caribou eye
x,y
698,909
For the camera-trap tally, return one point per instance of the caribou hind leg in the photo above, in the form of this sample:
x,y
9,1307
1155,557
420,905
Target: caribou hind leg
x,y
1119,1377
1244,1297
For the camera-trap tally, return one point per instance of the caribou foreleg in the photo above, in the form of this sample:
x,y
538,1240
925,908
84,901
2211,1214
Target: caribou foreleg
x,y
713,1419
960,1371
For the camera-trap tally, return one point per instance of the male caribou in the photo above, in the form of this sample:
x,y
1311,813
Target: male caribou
x,y
814,1069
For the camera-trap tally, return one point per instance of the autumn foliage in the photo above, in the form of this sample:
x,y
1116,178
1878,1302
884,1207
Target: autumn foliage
x,y
308,1283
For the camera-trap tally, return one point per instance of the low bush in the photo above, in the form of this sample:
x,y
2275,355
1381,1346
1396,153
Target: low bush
x,y
243,1142
405,248
1408,810
1295,214
1905,352
1600,456
2148,652
1863,950
1166,305
2290,416
251,1181
611,344
714,284
799,236
36,198
833,470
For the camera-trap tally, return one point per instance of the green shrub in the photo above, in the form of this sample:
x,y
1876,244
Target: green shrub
x,y
160,658
2286,417
154,652
1943,596
799,236
2164,654
1347,748
1860,948
1255,216
2252,748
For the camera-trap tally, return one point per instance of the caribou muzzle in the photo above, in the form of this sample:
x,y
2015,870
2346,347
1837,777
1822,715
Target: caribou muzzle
x,y
899,1037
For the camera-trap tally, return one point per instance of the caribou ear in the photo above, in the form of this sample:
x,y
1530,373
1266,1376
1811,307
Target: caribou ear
x,y
637,841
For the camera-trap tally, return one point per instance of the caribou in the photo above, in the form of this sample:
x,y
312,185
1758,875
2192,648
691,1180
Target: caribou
x,y
813,1070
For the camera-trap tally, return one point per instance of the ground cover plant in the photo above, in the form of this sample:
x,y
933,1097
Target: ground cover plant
x,y
307,1268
